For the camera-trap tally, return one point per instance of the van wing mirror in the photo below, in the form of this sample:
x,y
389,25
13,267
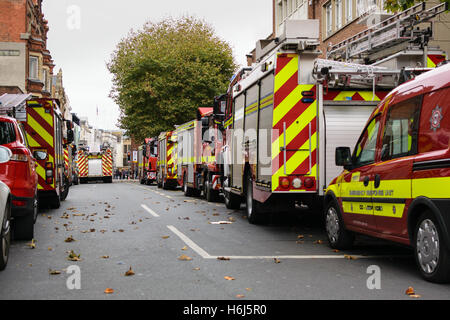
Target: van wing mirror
x,y
343,157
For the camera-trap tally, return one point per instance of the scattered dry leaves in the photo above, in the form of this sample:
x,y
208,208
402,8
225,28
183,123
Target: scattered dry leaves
x,y
129,273
184,257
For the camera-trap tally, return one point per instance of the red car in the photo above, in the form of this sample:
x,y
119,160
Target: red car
x,y
20,175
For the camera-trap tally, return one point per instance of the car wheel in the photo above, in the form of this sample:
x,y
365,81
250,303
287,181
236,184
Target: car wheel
x,y
431,252
24,227
338,236
5,238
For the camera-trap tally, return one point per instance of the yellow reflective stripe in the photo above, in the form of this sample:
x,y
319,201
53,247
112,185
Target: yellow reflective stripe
x,y
368,95
46,116
41,131
435,188
40,171
294,129
430,63
288,71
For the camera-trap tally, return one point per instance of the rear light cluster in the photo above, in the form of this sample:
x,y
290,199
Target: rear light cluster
x,y
49,172
297,182
19,154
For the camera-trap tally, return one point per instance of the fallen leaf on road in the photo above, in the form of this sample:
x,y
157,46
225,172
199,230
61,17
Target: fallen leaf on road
x,y
276,260
130,272
121,230
70,239
78,214
349,257
73,256
300,236
223,258
248,289
240,296
335,250
229,278
53,272
319,242
109,291
410,291
231,219
196,269
165,237
184,258
49,248
184,248
32,244
105,257
92,230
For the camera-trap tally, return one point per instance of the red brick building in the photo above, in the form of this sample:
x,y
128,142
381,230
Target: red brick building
x,y
25,62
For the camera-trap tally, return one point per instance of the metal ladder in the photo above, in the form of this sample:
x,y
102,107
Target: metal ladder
x,y
397,29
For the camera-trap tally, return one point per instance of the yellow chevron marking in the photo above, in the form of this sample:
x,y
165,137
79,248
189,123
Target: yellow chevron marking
x,y
295,161
33,143
41,131
289,102
40,171
288,71
294,129
46,116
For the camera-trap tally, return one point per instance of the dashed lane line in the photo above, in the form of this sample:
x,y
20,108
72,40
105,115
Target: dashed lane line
x,y
153,213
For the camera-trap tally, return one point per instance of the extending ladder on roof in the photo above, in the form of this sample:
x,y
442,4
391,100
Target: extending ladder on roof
x,y
397,29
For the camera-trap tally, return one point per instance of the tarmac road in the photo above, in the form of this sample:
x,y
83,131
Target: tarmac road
x,y
174,246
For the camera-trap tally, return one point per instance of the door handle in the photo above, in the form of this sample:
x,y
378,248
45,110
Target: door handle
x,y
366,181
377,181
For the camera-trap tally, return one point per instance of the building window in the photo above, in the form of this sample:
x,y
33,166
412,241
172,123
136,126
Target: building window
x,y
349,10
34,68
338,14
329,18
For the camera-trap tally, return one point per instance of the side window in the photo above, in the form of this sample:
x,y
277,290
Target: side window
x,y
23,135
366,147
401,129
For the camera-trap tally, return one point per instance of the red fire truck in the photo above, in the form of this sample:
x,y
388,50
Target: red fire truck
x,y
166,171
147,159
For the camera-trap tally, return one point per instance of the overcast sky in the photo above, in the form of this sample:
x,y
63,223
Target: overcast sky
x,y
82,47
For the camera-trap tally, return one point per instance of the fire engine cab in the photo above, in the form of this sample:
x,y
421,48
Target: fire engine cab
x,y
396,183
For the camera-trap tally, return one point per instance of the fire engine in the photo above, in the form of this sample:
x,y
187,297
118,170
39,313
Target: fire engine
x,y
48,131
198,143
95,166
166,172
287,114
147,159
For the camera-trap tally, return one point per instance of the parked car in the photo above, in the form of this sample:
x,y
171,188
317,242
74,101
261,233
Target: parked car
x,y
19,174
396,184
5,214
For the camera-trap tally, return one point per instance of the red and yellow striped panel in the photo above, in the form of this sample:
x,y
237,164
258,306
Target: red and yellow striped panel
x,y
82,164
294,119
339,95
39,127
434,59
107,164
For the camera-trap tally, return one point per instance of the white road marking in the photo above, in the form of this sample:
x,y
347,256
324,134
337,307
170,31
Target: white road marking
x,y
191,244
205,255
153,213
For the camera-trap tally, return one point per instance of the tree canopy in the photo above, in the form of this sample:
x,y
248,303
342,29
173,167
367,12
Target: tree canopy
x,y
164,72
400,5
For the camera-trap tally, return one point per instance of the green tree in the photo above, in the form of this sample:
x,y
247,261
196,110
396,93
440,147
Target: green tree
x,y
164,72
400,5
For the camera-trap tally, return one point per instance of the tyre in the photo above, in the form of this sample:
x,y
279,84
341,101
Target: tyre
x,y
255,214
338,236
232,201
5,238
24,227
65,193
55,202
186,190
431,253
